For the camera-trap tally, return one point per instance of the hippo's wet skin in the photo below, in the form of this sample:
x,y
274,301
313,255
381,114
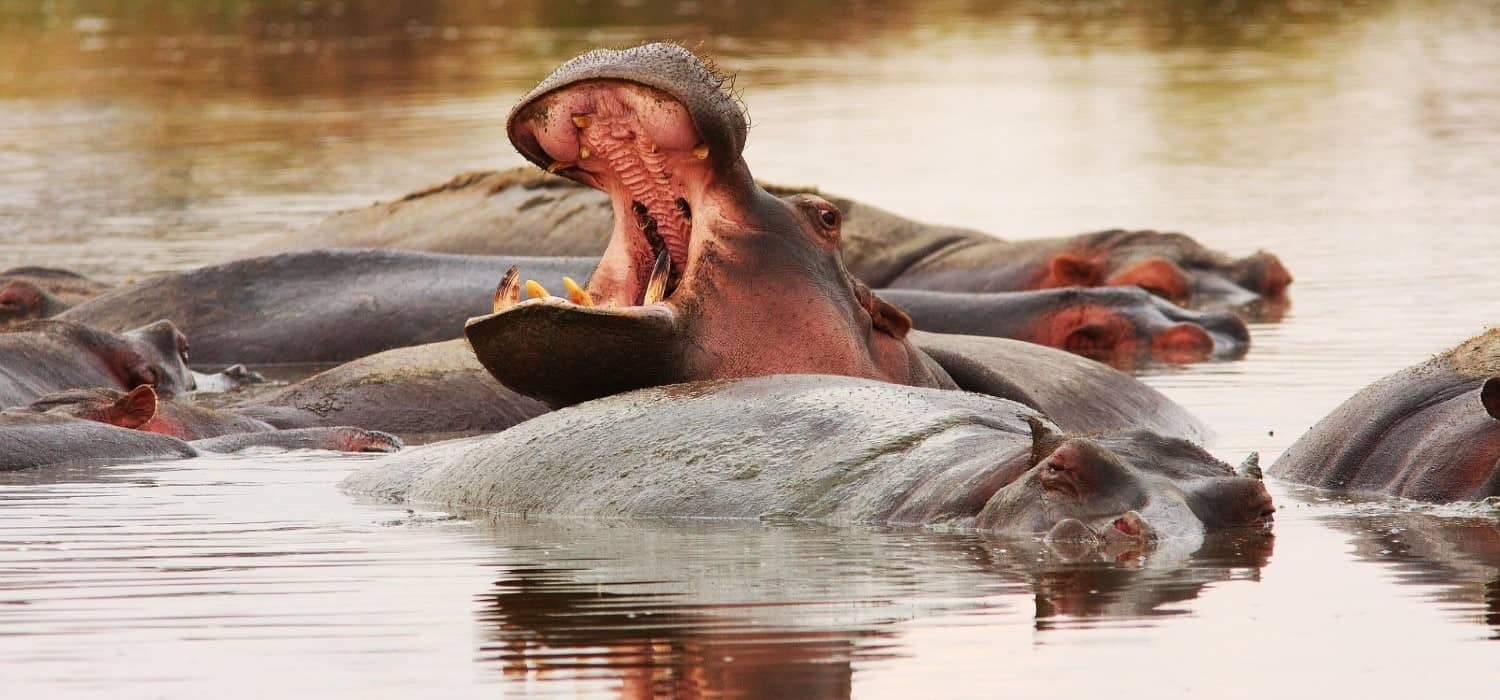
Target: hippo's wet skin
x,y
78,428
760,448
1429,432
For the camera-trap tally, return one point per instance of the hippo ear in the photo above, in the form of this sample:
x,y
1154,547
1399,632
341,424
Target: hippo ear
x,y
1069,270
134,409
1489,395
888,319
1044,441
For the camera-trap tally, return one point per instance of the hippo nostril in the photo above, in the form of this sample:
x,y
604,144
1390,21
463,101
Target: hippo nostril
x,y
1182,342
1274,277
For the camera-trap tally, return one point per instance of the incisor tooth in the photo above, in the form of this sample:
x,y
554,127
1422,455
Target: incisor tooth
x,y
576,294
581,121
701,151
583,152
558,165
509,291
656,287
534,290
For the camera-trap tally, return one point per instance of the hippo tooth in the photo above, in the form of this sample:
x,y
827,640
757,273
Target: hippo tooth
x,y
656,287
701,151
576,294
583,152
558,165
581,121
509,291
534,290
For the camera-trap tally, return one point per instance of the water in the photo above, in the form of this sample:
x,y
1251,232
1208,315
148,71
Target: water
x,y
1358,141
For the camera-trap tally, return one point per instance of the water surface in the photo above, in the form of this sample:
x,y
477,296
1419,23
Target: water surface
x,y
1358,141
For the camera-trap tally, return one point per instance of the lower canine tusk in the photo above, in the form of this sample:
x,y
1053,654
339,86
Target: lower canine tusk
x,y
534,290
576,294
656,287
509,291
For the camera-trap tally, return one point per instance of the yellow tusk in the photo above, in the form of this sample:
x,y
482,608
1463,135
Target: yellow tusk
x,y
558,165
509,291
701,151
576,294
581,121
656,287
535,290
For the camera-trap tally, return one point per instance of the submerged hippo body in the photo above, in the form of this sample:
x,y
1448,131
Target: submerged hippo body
x,y
832,449
42,357
521,212
321,306
437,389
28,293
1430,432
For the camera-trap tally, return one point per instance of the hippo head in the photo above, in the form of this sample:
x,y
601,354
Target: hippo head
x,y
22,300
133,409
1124,490
706,275
154,355
1126,326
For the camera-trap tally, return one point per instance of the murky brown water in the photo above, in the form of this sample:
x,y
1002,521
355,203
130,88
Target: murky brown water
x,y
1359,141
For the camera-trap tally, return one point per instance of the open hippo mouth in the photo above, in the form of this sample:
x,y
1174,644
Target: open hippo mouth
x,y
654,129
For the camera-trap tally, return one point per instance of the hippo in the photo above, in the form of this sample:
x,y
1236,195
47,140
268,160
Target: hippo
x,y
521,212
321,306
375,300
90,431
706,275
44,356
419,392
1430,432
830,449
28,293
141,409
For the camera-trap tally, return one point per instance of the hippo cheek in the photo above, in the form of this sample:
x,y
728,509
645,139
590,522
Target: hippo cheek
x,y
564,354
1182,343
1091,331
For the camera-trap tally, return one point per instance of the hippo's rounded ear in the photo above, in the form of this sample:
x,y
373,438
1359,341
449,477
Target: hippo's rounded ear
x,y
1489,395
1044,440
134,409
883,316
1069,270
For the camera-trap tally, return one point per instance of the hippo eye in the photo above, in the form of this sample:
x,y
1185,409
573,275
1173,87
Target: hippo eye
x,y
829,218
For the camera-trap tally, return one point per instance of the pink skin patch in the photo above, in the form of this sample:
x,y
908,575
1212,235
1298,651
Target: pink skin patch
x,y
1159,276
1182,343
1095,332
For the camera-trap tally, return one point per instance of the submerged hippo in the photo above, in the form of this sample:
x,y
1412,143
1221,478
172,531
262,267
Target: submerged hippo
x,y
42,357
833,449
1430,432
258,311
75,429
28,293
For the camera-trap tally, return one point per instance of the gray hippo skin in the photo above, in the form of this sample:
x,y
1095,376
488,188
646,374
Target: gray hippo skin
x,y
81,428
258,310
520,212
829,449
419,392
42,357
28,293
1430,432
324,306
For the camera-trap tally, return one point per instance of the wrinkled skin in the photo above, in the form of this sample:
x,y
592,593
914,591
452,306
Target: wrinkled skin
x,y
140,409
82,429
323,306
28,293
434,390
1122,326
519,212
42,357
830,449
375,300
1430,432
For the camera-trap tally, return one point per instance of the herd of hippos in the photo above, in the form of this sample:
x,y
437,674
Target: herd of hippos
x,y
739,350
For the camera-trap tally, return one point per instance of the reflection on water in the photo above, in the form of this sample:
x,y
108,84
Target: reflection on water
x,y
1359,141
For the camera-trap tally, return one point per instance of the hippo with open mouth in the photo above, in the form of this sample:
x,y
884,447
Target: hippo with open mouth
x,y
831,449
